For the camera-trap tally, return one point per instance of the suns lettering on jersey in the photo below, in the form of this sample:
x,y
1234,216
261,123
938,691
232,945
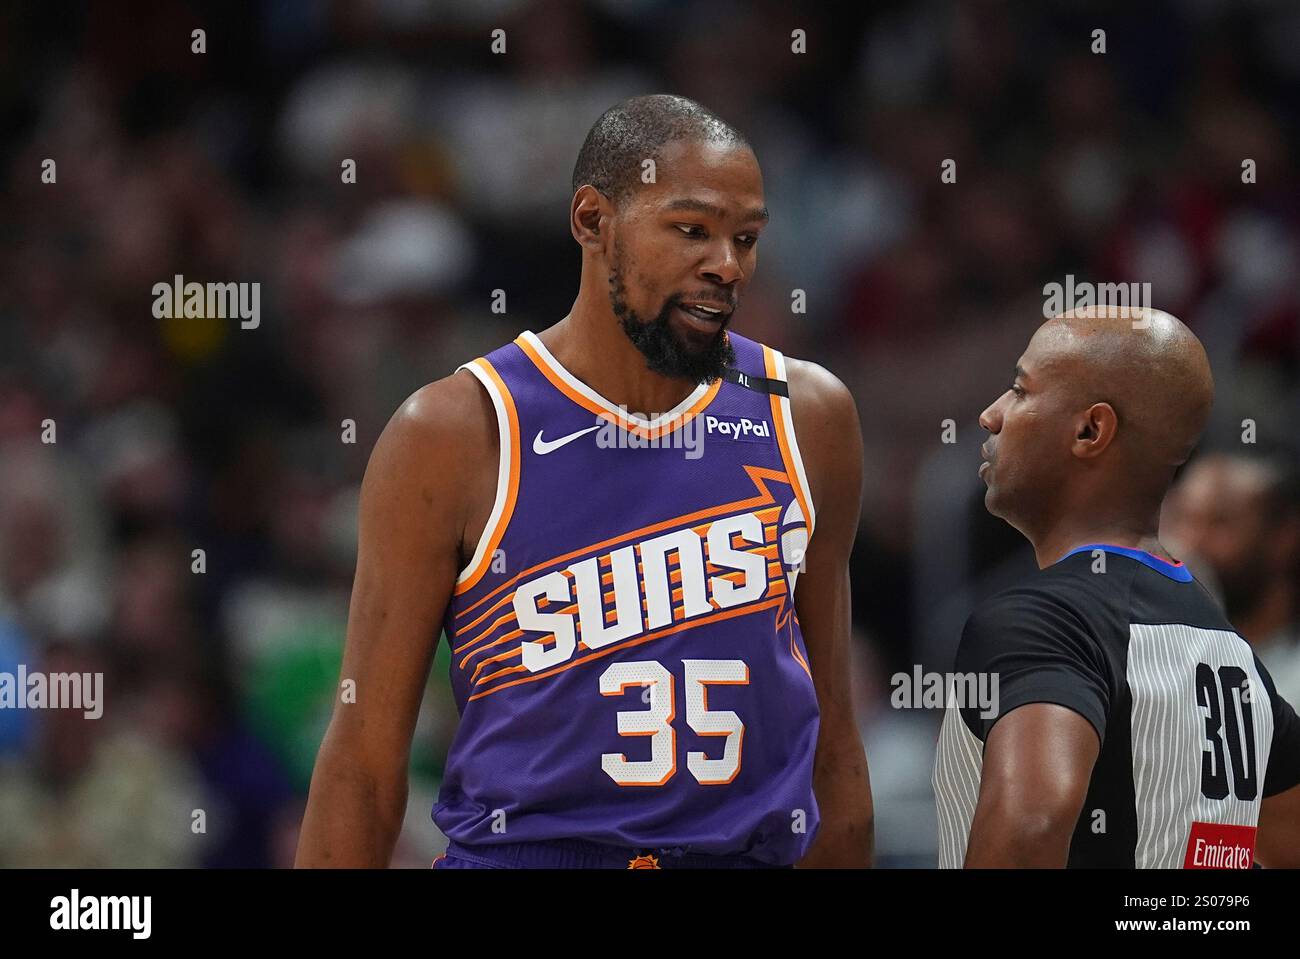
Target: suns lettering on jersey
x,y
708,566
647,594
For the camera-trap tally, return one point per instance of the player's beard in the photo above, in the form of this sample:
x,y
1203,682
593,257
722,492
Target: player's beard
x,y
664,352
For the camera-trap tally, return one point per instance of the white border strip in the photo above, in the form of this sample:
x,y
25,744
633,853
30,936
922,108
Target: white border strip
x,y
800,477
503,468
581,387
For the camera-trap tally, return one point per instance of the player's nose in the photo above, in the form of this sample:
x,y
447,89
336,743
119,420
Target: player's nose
x,y
724,267
991,418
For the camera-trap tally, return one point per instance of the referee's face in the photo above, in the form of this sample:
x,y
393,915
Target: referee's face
x,y
1027,451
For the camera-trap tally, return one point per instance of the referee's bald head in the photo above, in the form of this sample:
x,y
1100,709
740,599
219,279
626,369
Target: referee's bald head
x,y
1150,367
1107,402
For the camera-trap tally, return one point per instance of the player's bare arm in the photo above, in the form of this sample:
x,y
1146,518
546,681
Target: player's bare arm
x,y
826,421
1037,764
419,498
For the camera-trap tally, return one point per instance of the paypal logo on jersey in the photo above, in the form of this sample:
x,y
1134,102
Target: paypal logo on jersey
x,y
738,428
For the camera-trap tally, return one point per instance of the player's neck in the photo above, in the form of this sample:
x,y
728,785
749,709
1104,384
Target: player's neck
x,y
590,344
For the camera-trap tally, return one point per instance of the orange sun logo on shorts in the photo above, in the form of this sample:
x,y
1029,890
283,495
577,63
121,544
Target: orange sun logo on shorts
x,y
643,862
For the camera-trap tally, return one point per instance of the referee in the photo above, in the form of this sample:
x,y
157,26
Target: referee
x,y
1133,727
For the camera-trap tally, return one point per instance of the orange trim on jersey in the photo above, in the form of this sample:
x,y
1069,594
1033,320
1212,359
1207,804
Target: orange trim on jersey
x,y
496,623
783,617
670,426
787,456
616,647
512,489
795,650
506,637
758,475
498,658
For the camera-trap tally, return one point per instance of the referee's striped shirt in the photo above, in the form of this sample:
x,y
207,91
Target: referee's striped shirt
x,y
1193,733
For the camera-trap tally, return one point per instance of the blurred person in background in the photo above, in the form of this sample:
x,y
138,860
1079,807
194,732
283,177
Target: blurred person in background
x,y
1237,518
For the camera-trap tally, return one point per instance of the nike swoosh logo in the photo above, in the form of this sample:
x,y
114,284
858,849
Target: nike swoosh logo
x,y
541,447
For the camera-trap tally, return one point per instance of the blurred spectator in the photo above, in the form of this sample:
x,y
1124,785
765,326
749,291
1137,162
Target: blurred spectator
x,y
1236,518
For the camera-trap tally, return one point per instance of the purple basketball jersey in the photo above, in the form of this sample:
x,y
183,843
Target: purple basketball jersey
x,y
625,654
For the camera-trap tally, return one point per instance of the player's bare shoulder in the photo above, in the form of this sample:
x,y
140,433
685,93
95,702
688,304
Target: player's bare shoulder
x,y
453,410
443,439
826,424
817,396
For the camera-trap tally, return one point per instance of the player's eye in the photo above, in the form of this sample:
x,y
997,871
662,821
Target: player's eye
x,y
687,227
1018,390
747,240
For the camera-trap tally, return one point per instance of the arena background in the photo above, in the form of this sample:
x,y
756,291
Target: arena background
x,y
227,165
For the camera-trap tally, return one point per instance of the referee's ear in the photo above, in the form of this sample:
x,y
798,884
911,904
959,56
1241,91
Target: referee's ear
x,y
1094,431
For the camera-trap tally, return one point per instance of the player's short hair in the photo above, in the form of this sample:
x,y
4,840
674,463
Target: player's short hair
x,y
637,129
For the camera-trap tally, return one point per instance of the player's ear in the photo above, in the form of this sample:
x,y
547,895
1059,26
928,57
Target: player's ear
x,y
1094,430
589,213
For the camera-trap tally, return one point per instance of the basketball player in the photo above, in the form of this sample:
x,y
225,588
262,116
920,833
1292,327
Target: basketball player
x,y
638,686
1133,727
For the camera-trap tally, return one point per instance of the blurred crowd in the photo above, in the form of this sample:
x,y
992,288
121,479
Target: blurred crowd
x,y
173,436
